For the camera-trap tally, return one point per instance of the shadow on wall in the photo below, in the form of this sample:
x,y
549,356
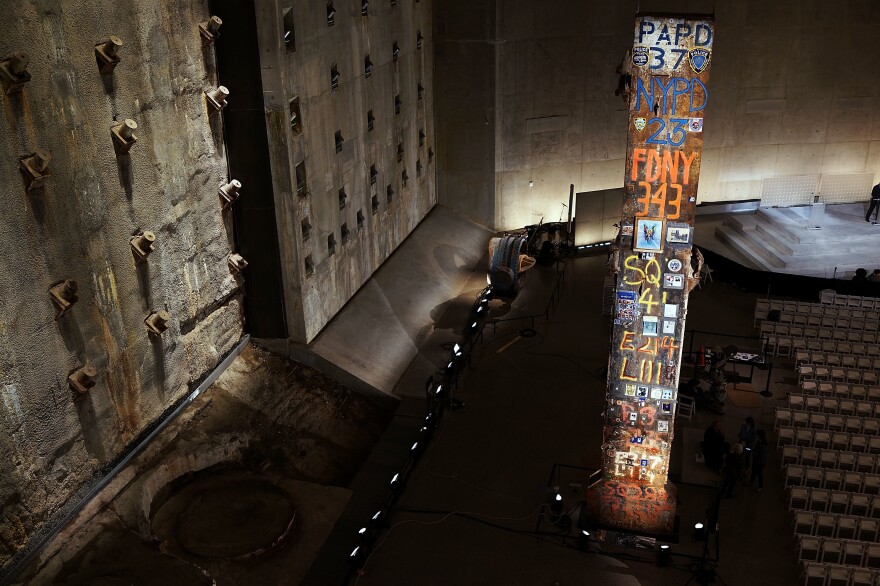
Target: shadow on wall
x,y
126,175
109,83
143,277
85,412
159,367
37,202
72,336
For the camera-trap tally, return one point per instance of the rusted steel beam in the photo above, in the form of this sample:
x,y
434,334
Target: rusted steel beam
x,y
654,269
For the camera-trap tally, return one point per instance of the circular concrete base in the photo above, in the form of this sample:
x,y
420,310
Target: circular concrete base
x,y
224,514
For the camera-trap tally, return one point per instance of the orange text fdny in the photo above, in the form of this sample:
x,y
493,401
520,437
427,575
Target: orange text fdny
x,y
663,167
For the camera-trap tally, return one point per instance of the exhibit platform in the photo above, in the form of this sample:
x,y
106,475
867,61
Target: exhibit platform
x,y
787,240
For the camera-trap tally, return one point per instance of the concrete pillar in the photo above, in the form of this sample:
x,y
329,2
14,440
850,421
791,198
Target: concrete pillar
x,y
667,84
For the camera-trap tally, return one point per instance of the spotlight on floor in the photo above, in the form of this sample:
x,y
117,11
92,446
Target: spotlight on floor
x,y
554,501
664,556
583,540
699,532
474,326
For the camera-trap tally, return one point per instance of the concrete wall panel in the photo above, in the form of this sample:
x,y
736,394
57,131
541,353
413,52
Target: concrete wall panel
x,y
313,299
784,73
79,225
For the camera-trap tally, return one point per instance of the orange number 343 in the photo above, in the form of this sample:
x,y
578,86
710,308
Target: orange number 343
x,y
659,198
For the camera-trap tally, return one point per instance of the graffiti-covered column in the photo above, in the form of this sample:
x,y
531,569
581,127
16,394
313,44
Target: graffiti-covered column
x,y
653,269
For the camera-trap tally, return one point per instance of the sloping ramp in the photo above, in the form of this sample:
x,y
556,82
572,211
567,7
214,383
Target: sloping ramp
x,y
378,332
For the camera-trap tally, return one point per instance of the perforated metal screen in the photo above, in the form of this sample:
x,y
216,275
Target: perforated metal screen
x,y
846,188
789,191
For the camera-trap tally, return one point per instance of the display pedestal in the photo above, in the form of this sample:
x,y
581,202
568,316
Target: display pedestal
x,y
817,216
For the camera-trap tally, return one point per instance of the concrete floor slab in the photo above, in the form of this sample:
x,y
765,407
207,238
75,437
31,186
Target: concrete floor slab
x,y
471,506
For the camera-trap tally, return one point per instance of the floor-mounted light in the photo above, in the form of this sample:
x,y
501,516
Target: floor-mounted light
x,y
664,556
555,502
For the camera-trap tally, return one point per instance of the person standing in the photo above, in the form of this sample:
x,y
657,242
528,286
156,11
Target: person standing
x,y
714,446
875,202
759,459
732,470
747,440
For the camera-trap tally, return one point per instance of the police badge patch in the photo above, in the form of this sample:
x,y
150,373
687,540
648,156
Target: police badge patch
x,y
699,59
640,124
640,56
695,125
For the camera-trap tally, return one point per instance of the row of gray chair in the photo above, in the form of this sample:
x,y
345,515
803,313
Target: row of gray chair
x,y
831,297
847,552
819,574
831,479
839,502
846,360
829,421
867,376
862,463
788,340
836,526
823,439
846,406
840,390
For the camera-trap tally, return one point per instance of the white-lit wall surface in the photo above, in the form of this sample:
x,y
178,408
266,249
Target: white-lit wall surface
x,y
313,297
795,92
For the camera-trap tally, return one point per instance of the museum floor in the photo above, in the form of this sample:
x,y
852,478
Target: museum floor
x,y
532,402
269,475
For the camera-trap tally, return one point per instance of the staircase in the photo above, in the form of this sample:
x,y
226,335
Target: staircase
x,y
778,240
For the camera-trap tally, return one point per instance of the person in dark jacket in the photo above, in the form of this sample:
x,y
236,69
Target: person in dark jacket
x,y
875,203
732,471
747,439
714,446
759,458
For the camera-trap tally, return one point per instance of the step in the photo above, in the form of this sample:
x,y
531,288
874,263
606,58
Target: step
x,y
766,248
742,222
778,238
743,245
789,226
840,224
854,245
768,242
